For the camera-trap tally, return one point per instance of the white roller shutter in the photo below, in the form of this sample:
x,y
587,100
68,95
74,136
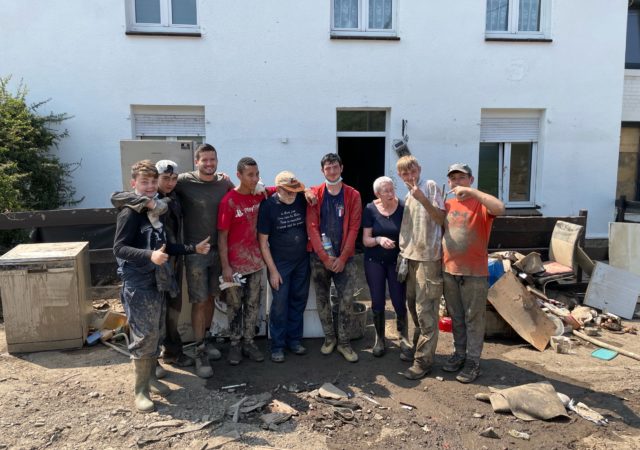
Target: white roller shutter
x,y
169,125
512,129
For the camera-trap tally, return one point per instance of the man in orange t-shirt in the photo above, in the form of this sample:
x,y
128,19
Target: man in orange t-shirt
x,y
469,216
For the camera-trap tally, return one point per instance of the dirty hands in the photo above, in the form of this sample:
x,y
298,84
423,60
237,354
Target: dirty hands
x,y
159,257
415,190
275,280
463,193
310,196
204,246
385,242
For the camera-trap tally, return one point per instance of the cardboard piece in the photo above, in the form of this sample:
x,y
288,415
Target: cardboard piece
x,y
614,290
519,308
624,246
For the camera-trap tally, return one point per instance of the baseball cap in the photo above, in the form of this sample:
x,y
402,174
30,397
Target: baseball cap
x,y
166,166
459,167
288,181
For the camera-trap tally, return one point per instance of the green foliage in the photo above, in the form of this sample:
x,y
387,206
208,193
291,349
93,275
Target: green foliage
x,y
31,177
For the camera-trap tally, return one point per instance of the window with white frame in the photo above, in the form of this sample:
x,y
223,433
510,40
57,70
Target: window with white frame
x,y
363,17
162,16
508,158
518,19
168,123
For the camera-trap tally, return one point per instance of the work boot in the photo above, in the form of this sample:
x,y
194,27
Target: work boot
x,y
378,323
142,369
160,371
416,371
181,360
156,386
203,366
329,344
348,353
212,352
235,354
251,351
469,372
454,363
406,349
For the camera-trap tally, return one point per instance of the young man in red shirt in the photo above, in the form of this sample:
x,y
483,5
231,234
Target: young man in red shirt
x,y
468,223
240,253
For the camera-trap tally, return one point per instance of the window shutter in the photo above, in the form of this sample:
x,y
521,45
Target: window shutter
x,y
169,125
513,129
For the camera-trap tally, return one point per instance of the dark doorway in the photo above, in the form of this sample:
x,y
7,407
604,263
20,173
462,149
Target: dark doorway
x,y
363,160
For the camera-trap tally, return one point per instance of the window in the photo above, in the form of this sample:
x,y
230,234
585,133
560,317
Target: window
x,y
508,158
169,123
518,19
632,56
375,18
162,16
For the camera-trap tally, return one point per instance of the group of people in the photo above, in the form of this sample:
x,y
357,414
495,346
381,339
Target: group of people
x,y
418,247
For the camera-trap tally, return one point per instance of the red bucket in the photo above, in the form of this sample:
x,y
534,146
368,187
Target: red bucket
x,y
444,324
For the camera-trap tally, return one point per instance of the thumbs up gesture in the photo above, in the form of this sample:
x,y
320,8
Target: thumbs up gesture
x,y
159,257
204,246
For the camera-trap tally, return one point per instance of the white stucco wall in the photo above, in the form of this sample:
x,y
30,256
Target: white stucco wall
x,y
267,69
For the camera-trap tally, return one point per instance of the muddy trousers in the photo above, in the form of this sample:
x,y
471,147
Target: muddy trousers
x,y
424,290
172,341
243,305
145,309
345,288
466,299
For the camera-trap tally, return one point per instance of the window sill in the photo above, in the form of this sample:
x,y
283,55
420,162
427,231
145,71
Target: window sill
x,y
164,33
365,37
516,39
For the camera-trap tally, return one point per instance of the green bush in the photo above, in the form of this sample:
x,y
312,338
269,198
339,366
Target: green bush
x,y
31,177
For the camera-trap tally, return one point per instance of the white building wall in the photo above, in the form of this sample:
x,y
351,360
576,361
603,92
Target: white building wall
x,y
267,69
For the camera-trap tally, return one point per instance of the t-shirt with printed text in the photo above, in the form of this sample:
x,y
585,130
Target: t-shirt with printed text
x,y
238,214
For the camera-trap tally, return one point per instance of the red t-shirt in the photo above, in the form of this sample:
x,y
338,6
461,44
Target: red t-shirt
x,y
466,237
238,213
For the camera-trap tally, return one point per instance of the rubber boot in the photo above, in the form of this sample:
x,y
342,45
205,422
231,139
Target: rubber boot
x,y
142,369
156,386
378,323
406,349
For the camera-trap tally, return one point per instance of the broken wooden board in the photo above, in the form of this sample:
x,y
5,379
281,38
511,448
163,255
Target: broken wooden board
x,y
624,246
614,290
519,308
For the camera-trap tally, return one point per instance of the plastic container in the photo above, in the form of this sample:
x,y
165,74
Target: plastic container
x,y
496,270
444,324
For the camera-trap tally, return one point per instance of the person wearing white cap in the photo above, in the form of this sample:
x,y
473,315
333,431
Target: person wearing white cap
x,y
168,177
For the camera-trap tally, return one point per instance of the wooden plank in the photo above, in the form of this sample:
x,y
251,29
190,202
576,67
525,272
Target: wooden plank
x,y
519,308
57,218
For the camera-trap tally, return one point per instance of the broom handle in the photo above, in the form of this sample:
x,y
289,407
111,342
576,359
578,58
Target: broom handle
x,y
607,346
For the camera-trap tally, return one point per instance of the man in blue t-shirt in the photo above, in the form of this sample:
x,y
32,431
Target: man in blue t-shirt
x,y
282,235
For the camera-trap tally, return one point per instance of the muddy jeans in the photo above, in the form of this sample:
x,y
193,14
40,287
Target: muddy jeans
x,y
145,309
243,306
345,287
172,341
424,289
466,299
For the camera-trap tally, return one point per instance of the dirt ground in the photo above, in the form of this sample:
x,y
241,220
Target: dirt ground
x,y
83,399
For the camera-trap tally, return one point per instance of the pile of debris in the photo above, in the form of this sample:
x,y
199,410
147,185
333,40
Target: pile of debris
x,y
520,297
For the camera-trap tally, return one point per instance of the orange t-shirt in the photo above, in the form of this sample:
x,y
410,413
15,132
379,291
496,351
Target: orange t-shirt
x,y
466,236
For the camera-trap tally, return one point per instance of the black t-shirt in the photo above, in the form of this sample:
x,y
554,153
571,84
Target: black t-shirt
x,y
384,226
286,227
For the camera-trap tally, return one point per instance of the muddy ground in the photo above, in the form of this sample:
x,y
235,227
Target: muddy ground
x,y
83,399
